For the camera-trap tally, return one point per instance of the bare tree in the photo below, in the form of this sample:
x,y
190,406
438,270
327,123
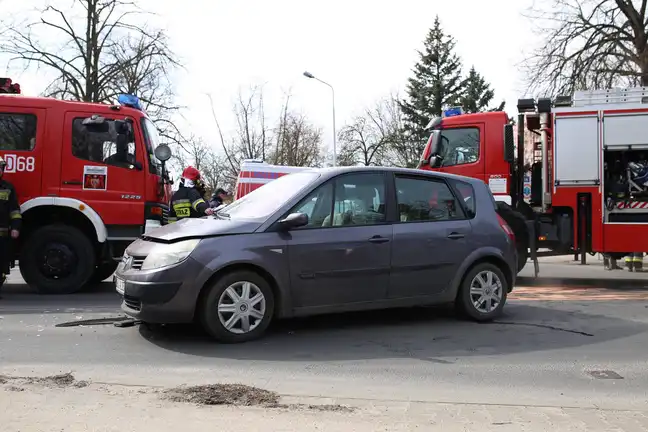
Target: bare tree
x,y
589,44
253,138
367,138
95,50
299,143
377,137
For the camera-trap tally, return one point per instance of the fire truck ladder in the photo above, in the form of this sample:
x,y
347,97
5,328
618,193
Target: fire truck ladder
x,y
617,96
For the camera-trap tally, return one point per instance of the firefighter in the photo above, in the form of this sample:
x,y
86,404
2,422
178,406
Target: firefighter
x,y
10,221
218,197
610,262
188,201
634,261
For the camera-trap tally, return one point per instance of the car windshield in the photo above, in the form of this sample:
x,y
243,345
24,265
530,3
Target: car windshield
x,y
152,140
270,197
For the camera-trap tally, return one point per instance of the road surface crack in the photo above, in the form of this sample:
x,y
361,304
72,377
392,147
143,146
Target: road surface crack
x,y
545,326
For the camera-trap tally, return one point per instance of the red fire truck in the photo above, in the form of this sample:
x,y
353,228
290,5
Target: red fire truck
x,y
90,179
589,169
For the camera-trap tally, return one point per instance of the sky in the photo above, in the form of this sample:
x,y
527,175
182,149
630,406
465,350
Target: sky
x,y
364,49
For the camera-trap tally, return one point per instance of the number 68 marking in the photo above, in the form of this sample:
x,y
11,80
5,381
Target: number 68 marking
x,y
19,163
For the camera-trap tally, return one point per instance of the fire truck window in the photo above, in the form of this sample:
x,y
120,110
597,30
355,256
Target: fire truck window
x,y
460,146
102,144
17,131
423,200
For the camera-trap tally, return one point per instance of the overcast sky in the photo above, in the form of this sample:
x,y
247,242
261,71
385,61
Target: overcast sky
x,y
365,49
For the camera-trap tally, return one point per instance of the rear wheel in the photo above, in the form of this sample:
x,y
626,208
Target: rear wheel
x,y
57,259
483,293
237,308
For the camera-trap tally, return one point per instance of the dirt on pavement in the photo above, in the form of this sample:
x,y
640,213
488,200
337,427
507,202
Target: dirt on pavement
x,y
44,405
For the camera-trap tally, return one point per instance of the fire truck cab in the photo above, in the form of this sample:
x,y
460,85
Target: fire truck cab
x,y
90,179
588,168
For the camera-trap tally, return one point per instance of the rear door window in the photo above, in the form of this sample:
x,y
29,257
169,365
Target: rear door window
x,y
425,200
467,196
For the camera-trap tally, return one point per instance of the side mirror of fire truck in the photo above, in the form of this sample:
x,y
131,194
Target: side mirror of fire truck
x,y
509,144
163,153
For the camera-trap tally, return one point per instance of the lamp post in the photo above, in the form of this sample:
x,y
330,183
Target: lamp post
x,y
310,75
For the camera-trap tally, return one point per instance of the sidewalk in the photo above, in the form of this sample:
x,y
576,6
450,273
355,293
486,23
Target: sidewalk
x,y
563,271
103,408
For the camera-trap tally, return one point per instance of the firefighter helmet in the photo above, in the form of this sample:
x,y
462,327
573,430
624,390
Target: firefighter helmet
x,y
191,173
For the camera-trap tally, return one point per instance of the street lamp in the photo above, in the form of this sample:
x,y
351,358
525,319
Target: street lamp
x,y
310,75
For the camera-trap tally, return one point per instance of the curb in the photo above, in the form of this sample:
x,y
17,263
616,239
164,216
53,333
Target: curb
x,y
612,284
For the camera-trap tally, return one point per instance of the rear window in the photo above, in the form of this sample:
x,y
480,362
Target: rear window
x,y
466,194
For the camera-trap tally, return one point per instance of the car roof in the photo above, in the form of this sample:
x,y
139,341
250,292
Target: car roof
x,y
334,171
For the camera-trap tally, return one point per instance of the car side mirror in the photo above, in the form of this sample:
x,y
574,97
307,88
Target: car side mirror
x,y
509,144
294,220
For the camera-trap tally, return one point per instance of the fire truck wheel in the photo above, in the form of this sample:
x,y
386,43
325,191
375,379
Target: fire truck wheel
x,y
517,222
103,271
482,293
57,259
238,307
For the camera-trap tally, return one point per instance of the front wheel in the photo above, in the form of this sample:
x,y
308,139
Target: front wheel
x,y
103,271
57,259
237,308
482,293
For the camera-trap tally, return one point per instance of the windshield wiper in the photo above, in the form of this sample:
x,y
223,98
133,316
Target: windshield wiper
x,y
222,215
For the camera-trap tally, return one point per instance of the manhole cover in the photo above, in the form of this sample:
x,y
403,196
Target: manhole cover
x,y
605,374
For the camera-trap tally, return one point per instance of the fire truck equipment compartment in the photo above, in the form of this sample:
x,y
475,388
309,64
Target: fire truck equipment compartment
x,y
577,139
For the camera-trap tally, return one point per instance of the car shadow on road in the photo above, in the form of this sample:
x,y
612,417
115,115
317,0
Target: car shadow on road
x,y
427,334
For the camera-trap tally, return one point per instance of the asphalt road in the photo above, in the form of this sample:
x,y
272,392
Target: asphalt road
x,y
566,347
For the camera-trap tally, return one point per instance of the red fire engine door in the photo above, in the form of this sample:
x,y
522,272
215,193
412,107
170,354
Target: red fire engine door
x,y
99,168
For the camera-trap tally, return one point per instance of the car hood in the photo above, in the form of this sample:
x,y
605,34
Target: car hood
x,y
198,228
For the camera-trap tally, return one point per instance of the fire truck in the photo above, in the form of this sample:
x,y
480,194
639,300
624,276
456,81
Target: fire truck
x,y
90,179
588,168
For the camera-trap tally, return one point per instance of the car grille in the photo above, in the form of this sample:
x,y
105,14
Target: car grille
x,y
136,264
132,303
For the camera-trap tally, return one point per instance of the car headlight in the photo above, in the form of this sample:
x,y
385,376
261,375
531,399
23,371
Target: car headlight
x,y
163,255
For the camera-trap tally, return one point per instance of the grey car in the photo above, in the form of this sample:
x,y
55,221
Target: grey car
x,y
322,241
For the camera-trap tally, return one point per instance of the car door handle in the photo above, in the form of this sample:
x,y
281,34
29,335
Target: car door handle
x,y
72,182
378,239
455,236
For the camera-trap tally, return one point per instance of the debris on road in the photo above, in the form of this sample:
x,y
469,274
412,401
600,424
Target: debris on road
x,y
62,380
97,321
241,395
223,394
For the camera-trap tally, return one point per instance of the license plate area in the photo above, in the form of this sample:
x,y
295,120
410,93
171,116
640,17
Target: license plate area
x,y
120,285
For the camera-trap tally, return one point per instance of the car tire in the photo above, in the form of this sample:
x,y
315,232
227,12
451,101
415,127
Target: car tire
x,y
103,271
66,241
476,277
214,307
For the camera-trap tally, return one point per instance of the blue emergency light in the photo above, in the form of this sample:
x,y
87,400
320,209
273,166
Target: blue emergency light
x,y
131,101
452,112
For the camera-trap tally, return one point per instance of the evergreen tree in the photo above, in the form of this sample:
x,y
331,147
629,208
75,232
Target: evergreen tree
x,y
437,82
477,94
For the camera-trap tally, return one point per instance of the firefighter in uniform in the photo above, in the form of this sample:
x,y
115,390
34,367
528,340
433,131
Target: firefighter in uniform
x,y
188,201
10,221
634,261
